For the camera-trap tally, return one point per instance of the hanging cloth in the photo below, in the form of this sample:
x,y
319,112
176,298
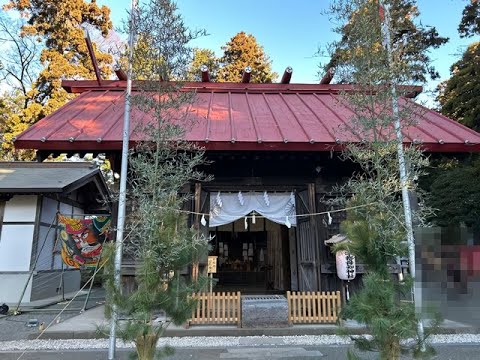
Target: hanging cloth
x,y
277,207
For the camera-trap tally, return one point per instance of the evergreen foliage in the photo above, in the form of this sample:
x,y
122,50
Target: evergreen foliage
x,y
454,192
411,39
459,96
452,183
203,57
161,166
241,51
376,224
160,51
470,23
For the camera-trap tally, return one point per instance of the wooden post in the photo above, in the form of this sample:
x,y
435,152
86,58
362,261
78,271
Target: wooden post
x,y
121,75
239,309
196,224
287,75
316,245
91,52
205,74
247,72
328,77
292,239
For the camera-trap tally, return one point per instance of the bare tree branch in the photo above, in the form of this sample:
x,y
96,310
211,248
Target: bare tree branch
x,y
20,56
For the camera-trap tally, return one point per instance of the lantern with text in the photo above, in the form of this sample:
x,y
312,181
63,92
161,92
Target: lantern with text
x,y
345,265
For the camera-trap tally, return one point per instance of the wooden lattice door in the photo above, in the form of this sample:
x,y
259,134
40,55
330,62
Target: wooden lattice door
x,y
308,260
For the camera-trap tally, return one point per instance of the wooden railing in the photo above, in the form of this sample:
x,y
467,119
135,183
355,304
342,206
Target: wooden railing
x,y
217,308
313,307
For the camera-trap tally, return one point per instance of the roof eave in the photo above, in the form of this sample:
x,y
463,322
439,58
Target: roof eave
x,y
94,146
31,191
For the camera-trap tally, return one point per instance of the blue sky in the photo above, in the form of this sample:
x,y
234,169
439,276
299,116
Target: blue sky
x,y
291,32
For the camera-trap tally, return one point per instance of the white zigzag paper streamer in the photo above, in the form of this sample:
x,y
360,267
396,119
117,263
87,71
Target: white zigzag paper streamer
x,y
241,200
288,223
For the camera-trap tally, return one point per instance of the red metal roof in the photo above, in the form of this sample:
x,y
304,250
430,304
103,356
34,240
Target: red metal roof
x,y
235,117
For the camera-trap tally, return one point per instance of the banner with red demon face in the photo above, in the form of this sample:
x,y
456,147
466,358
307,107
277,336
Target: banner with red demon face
x,y
82,239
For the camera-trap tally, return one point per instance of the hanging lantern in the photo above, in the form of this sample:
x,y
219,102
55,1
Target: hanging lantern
x,y
345,265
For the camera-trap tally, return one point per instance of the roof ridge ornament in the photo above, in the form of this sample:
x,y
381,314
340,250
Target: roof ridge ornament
x,y
287,75
205,74
247,72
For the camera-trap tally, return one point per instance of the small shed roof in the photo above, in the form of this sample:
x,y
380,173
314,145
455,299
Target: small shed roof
x,y
51,177
227,116
336,239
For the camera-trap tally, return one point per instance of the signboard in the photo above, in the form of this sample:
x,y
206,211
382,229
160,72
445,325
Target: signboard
x,y
212,264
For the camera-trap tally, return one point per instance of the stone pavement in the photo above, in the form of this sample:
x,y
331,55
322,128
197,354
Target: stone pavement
x,y
444,352
269,353
14,327
87,324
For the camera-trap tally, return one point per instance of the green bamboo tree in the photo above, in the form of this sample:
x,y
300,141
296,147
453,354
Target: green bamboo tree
x,y
161,166
376,226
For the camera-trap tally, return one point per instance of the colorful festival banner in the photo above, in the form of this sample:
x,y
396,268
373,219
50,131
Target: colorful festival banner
x,y
82,239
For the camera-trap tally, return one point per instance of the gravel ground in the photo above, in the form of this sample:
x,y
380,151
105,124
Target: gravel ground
x,y
216,342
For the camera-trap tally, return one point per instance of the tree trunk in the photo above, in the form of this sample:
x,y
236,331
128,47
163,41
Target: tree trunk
x,y
391,351
146,346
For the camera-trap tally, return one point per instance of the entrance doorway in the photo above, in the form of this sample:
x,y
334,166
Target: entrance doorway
x,y
253,256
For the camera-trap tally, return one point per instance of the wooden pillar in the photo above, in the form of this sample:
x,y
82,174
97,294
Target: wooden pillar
x,y
196,224
292,238
315,232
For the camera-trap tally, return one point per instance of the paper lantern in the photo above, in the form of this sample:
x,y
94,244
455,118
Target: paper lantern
x,y
345,265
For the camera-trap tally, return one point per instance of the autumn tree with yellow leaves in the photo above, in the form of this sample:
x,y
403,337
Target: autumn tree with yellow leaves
x,y
241,51
60,26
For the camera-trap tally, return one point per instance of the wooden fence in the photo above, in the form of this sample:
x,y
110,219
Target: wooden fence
x,y
217,308
313,307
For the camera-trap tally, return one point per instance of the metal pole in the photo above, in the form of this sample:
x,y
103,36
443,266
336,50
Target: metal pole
x,y
403,171
62,281
123,185
92,279
34,265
